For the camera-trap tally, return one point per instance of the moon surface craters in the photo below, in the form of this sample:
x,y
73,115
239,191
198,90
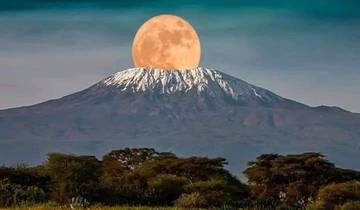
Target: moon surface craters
x,y
166,42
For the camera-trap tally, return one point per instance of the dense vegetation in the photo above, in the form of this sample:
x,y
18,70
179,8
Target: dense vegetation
x,y
145,177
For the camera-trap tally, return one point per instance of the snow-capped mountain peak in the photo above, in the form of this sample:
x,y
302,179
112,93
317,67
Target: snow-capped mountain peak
x,y
201,80
197,110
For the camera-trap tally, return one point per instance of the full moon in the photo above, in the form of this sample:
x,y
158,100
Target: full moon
x,y
166,42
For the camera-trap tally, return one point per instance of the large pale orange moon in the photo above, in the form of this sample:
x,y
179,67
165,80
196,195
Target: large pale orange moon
x,y
166,42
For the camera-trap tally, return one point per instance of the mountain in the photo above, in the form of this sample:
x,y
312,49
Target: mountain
x,y
191,112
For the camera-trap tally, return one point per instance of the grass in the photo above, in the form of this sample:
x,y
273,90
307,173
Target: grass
x,y
54,207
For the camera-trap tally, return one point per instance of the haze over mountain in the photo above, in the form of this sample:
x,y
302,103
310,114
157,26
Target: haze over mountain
x,y
194,112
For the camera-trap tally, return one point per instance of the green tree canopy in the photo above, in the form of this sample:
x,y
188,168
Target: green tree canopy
x,y
340,195
73,176
293,177
194,168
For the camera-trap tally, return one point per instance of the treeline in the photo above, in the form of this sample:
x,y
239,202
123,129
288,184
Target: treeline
x,y
141,176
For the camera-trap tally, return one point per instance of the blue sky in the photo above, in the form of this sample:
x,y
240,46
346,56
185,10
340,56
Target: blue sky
x,y
305,50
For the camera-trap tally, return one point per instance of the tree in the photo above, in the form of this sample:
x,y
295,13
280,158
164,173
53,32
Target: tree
x,y
217,192
193,168
192,201
352,205
130,158
206,178
73,176
118,162
12,194
146,177
335,195
293,178
26,176
164,189
120,184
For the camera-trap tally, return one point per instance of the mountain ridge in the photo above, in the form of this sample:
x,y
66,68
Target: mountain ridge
x,y
106,82
196,111
187,80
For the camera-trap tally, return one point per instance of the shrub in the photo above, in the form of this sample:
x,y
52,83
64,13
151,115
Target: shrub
x,y
26,176
310,206
353,205
192,200
79,203
284,207
166,175
13,194
73,176
297,177
33,194
219,191
6,193
335,195
166,188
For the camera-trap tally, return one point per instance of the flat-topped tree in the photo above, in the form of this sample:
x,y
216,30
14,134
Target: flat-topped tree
x,y
293,177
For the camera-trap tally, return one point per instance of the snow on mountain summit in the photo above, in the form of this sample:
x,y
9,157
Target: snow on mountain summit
x,y
201,80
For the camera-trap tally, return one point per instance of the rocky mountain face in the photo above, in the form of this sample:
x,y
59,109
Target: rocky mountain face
x,y
192,112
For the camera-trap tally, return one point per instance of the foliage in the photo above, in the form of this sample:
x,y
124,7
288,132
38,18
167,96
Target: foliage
x,y
26,176
166,188
205,176
118,162
219,192
191,200
293,178
142,176
160,178
73,176
333,196
194,168
13,194
79,203
352,205
116,167
52,206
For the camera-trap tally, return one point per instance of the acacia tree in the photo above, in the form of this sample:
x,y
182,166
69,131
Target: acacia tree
x,y
118,163
120,184
194,168
293,178
130,158
207,180
335,195
146,177
73,176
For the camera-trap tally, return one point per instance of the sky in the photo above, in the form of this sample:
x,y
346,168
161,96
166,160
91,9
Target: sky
x,y
305,50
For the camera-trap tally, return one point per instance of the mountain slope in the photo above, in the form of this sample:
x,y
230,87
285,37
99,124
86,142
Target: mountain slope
x,y
195,111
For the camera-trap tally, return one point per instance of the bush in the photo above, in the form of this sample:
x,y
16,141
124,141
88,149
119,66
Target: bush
x,y
353,205
192,200
220,192
215,192
73,176
296,178
26,176
284,207
33,194
334,195
79,203
166,188
160,180
212,191
311,206
13,194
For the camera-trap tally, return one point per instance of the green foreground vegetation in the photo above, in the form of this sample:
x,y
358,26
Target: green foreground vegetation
x,y
145,177
52,207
